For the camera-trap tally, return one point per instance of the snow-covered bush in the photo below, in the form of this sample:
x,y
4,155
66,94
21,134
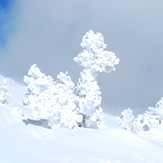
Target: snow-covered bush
x,y
148,125
141,122
4,94
158,110
145,122
93,59
126,119
155,133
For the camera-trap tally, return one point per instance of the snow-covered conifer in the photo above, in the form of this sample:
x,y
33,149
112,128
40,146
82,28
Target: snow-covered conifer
x,y
4,95
145,122
93,59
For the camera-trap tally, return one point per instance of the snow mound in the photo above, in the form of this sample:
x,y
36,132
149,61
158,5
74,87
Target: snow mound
x,y
28,143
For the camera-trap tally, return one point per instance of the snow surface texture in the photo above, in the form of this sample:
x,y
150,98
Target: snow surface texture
x,y
28,143
63,104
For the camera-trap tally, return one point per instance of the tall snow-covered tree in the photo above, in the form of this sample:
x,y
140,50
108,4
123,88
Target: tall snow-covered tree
x,y
4,94
92,59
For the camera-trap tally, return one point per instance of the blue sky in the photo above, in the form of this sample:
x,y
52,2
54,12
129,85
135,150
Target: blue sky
x,y
49,33
4,3
4,18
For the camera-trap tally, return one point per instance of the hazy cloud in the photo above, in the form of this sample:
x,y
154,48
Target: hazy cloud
x,y
49,32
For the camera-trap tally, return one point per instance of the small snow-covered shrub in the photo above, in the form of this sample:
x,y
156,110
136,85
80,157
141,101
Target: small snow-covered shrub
x,y
145,122
148,125
126,119
4,94
158,110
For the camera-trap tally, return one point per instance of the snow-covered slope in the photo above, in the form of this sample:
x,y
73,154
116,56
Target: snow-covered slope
x,y
20,143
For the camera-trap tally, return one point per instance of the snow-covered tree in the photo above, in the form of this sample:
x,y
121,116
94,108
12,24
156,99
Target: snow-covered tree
x,y
57,104
53,101
126,119
93,59
139,123
150,119
4,94
145,122
148,125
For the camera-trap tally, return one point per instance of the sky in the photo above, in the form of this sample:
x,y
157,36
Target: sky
x,y
48,33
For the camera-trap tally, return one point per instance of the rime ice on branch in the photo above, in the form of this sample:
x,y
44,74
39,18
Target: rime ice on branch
x,y
93,59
